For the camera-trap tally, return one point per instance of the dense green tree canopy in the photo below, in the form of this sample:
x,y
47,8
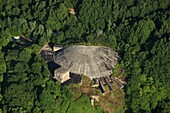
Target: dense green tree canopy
x,y
138,30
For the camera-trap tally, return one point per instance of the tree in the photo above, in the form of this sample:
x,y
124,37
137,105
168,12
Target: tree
x,y
37,68
25,55
50,99
19,97
2,63
141,32
21,67
12,55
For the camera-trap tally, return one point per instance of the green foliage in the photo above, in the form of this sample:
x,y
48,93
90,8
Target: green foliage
x,y
141,32
21,67
36,67
50,98
62,12
138,30
2,63
4,41
17,95
84,106
12,55
25,55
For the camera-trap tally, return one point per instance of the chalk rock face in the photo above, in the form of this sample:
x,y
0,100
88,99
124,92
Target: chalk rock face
x,y
91,61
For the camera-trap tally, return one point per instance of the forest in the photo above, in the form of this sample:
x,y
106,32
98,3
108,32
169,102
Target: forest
x,y
139,30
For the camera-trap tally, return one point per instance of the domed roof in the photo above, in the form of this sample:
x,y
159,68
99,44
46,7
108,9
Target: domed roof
x,y
91,61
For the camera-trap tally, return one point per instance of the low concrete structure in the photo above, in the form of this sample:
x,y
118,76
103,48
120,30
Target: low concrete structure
x,y
22,38
102,88
61,74
47,53
92,102
119,84
17,37
109,84
57,48
95,82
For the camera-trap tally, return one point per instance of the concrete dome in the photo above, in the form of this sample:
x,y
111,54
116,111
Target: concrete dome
x,y
91,61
